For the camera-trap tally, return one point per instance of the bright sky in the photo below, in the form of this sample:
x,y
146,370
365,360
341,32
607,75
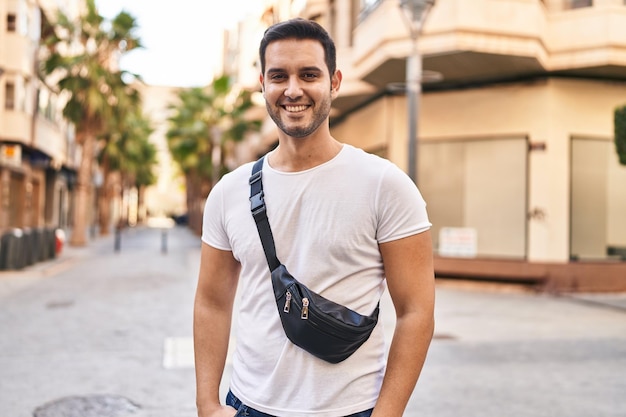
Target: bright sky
x,y
180,38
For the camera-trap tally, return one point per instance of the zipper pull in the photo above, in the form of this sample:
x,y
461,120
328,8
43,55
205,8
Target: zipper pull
x,y
305,309
287,302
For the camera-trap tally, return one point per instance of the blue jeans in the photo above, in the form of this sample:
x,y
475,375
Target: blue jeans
x,y
245,411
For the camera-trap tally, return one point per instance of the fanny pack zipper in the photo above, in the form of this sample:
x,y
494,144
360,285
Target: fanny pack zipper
x,y
305,307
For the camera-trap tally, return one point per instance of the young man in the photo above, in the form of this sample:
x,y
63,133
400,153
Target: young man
x,y
346,223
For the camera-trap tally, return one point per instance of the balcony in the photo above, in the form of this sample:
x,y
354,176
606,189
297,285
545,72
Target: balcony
x,y
17,53
486,41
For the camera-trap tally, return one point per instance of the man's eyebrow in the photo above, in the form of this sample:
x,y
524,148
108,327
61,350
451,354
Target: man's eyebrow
x,y
303,69
311,68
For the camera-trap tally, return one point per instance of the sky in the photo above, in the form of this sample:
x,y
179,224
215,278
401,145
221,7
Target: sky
x,y
180,38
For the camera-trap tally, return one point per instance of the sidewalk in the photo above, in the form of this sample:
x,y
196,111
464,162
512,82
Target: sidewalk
x,y
112,331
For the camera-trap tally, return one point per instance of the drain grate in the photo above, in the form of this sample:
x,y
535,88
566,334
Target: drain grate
x,y
88,406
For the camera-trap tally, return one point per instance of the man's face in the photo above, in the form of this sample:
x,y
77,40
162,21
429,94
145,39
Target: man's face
x,y
297,87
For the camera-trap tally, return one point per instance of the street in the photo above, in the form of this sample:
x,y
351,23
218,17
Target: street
x,y
100,332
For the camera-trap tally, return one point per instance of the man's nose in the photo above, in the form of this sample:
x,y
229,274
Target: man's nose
x,y
293,89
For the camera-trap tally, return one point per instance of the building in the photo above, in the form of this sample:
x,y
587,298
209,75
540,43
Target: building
x,y
37,147
515,151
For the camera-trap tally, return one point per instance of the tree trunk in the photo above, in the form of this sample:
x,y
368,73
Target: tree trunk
x,y
142,212
82,191
193,185
104,210
189,189
105,197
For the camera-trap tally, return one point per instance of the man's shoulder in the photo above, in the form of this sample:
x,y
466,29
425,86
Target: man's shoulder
x,y
368,161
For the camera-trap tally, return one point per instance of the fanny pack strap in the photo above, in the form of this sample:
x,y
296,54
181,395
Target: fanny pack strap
x,y
259,212
317,333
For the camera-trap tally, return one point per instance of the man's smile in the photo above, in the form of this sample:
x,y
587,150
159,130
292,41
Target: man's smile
x,y
296,109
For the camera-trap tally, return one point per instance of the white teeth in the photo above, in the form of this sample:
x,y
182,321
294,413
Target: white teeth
x,y
295,108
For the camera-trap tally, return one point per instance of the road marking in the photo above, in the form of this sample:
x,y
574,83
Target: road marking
x,y
178,353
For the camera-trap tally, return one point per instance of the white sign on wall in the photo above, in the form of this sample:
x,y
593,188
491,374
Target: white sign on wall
x,y
458,242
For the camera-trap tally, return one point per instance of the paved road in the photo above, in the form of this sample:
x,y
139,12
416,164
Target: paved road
x,y
110,332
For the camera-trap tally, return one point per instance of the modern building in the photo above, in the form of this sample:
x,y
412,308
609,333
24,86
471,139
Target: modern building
x,y
515,154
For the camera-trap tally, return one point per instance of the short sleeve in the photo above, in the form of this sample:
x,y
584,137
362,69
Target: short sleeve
x,y
401,207
213,229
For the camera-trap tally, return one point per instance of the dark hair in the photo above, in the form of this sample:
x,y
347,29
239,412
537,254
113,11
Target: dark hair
x,y
300,28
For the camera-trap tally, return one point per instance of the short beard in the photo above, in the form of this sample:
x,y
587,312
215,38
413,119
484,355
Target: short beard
x,y
302,131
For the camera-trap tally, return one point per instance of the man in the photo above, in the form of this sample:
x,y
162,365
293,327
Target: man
x,y
346,223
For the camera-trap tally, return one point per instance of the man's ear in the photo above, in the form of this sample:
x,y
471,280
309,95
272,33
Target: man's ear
x,y
262,86
335,83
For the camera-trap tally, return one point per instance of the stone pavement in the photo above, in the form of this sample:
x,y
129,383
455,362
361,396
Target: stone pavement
x,y
108,334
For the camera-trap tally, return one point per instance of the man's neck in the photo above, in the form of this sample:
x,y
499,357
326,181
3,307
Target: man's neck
x,y
300,154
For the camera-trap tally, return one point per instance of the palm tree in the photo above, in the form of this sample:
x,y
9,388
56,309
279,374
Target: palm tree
x,y
204,125
128,153
144,174
80,56
190,140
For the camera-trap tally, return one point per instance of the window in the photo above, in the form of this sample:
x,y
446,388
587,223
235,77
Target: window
x,y
598,201
368,3
11,22
367,6
9,96
43,103
577,4
478,184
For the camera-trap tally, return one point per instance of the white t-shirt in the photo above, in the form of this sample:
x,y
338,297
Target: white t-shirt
x,y
327,223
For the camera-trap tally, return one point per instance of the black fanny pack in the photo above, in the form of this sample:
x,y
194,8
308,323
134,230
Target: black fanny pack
x,y
325,329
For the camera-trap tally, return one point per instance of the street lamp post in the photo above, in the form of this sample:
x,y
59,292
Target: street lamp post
x,y
415,12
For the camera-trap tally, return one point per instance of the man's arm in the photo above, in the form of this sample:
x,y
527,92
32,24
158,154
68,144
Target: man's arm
x,y
410,278
215,295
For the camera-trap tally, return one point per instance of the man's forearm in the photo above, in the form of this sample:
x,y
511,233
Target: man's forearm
x,y
407,355
211,335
